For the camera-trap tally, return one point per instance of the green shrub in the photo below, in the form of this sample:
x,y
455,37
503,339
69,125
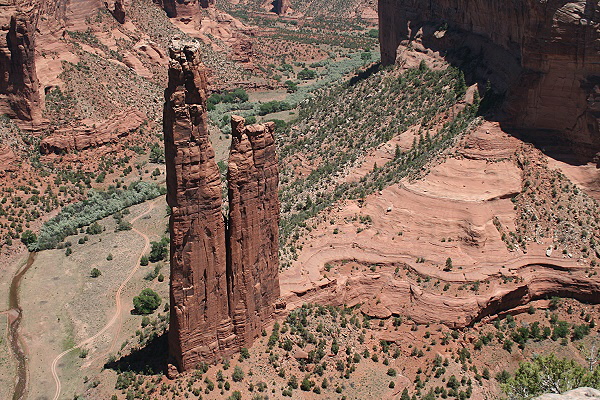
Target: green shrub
x,y
144,261
98,205
238,374
146,302
159,250
95,273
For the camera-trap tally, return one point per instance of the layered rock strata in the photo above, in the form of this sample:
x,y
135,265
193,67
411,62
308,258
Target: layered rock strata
x,y
544,54
253,226
224,282
19,85
69,140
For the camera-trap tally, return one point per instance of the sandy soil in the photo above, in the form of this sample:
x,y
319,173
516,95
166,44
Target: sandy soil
x,y
7,362
62,314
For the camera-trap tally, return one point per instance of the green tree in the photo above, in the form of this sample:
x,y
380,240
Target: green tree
x,y
405,395
157,154
29,238
448,264
307,74
146,302
94,229
546,374
159,250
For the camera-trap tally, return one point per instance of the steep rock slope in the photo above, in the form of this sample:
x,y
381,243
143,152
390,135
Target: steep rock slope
x,y
545,54
223,283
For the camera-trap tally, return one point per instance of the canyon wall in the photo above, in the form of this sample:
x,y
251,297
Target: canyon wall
x,y
19,85
543,53
224,281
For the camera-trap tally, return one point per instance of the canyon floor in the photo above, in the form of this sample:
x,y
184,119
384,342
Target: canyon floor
x,y
378,267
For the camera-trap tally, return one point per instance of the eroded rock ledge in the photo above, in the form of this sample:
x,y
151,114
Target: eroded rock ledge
x,y
224,280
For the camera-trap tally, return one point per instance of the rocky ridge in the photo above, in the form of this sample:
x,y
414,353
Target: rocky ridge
x,y
223,281
544,56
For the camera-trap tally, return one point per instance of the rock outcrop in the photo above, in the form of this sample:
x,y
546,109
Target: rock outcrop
x,y
68,140
545,55
583,393
169,6
281,7
224,283
253,226
19,85
117,11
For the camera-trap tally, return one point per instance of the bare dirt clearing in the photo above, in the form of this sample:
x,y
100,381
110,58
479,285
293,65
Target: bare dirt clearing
x,y
73,306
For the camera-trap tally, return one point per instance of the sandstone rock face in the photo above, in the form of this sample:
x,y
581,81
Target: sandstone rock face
x,y
19,85
544,53
281,6
169,6
200,326
68,140
253,227
223,283
206,3
183,8
118,11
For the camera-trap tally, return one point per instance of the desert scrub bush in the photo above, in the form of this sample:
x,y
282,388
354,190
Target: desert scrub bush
x,y
95,272
146,302
273,107
98,205
159,250
548,374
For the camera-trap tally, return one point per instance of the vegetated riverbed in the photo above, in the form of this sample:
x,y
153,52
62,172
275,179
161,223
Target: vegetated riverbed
x,y
15,314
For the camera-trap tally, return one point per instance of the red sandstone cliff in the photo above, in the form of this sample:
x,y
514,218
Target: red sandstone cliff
x,y
200,326
253,227
546,54
19,85
223,284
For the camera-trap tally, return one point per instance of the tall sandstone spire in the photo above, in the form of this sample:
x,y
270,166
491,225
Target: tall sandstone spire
x,y
224,282
253,178
200,326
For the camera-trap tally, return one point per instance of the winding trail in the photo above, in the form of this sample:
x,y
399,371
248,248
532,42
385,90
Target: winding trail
x,y
117,316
